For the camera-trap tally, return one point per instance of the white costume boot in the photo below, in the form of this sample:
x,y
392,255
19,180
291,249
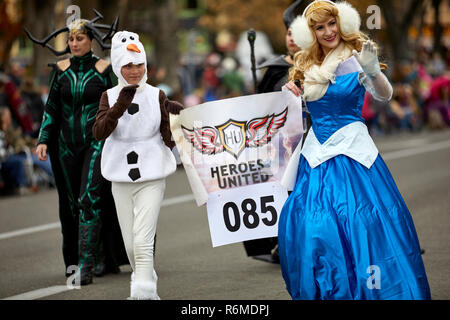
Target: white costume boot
x,y
144,290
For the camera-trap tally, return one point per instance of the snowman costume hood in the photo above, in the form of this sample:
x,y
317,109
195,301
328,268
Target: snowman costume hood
x,y
126,48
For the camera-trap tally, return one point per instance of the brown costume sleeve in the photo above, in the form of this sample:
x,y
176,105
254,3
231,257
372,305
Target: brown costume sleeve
x,y
107,118
167,106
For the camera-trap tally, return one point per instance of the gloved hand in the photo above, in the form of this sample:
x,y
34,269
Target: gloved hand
x,y
174,107
126,95
368,58
124,100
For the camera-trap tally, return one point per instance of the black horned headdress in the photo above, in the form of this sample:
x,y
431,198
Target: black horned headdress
x,y
289,13
84,26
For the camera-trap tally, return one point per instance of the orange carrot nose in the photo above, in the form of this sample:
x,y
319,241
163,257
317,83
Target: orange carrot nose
x,y
133,47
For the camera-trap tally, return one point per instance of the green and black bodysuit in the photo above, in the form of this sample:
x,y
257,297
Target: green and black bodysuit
x,y
75,90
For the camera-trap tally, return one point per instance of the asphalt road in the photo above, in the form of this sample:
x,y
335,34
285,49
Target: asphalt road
x,y
189,268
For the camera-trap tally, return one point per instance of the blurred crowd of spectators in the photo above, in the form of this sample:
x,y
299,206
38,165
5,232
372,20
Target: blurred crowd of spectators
x,y
21,110
420,101
218,77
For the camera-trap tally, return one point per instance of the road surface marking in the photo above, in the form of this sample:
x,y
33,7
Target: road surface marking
x,y
55,225
414,151
22,232
39,293
403,144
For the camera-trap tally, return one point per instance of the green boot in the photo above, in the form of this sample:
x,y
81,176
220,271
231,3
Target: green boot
x,y
88,243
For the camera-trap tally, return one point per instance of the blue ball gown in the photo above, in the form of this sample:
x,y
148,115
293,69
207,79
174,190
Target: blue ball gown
x,y
345,231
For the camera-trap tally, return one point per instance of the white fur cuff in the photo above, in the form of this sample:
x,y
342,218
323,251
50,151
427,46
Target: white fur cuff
x,y
144,290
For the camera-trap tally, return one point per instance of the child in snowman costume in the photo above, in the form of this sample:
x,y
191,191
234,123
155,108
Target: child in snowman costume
x,y
133,119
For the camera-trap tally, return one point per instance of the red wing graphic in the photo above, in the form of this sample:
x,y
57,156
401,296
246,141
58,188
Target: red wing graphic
x,y
261,130
206,140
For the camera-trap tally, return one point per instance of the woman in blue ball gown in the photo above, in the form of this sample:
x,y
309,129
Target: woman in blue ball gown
x,y
345,231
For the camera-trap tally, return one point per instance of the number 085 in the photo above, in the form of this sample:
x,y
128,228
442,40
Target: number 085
x,y
250,218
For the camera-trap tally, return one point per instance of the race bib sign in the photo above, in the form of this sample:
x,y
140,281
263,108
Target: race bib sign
x,y
245,213
235,153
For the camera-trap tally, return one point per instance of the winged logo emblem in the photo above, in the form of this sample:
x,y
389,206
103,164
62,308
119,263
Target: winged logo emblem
x,y
234,136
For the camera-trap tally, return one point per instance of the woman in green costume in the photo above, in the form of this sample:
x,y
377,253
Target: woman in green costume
x,y
91,236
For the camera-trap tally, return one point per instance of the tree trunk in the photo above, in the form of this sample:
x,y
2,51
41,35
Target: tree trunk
x,y
437,34
397,28
86,7
11,20
164,15
39,19
111,9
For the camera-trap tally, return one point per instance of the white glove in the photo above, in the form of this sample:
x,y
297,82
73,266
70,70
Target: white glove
x,y
368,59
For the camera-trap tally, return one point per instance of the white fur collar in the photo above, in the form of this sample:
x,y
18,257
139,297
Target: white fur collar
x,y
317,78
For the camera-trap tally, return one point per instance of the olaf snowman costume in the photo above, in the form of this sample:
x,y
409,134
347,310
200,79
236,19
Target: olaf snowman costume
x,y
136,158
